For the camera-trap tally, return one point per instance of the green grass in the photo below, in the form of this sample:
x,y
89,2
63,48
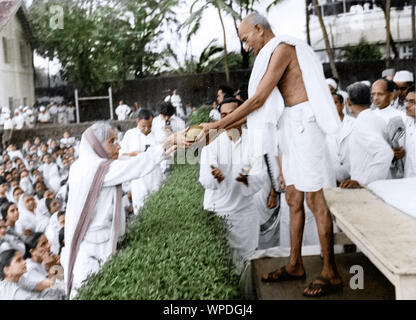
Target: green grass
x,y
175,250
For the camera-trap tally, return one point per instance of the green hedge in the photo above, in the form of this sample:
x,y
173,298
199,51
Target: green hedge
x,y
175,250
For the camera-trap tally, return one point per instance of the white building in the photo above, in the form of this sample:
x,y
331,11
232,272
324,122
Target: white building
x,y
348,21
16,56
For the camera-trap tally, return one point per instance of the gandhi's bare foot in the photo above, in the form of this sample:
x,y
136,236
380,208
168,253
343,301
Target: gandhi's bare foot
x,y
323,286
285,273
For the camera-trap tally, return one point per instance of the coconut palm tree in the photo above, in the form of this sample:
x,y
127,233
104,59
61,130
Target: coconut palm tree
x,y
195,20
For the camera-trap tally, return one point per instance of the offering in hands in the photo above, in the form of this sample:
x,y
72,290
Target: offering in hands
x,y
192,133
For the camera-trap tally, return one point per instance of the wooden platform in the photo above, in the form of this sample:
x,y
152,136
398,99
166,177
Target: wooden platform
x,y
384,234
376,286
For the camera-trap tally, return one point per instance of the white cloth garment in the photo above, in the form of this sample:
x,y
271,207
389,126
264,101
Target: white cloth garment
x,y
122,111
269,219
306,161
231,199
390,112
52,233
339,149
410,147
44,117
14,291
18,121
134,140
62,115
158,125
71,113
321,103
26,185
27,219
42,216
51,176
398,193
35,273
96,246
215,115
8,123
68,142
370,153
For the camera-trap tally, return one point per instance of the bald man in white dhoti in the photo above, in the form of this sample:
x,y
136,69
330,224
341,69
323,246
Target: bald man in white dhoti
x,y
94,218
287,88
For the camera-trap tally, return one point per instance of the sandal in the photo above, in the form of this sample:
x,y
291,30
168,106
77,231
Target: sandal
x,y
322,289
283,275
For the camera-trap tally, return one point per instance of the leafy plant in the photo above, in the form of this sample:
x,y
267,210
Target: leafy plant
x,y
363,51
201,115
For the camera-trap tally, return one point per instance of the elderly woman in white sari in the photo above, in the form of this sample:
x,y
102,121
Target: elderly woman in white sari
x,y
94,219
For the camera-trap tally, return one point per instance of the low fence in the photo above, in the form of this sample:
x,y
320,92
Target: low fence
x,y
45,132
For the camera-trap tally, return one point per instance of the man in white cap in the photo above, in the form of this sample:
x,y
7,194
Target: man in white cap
x,y
30,118
44,117
332,84
388,74
4,111
18,120
404,80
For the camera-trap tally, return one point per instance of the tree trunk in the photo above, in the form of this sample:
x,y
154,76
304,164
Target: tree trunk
x,y
227,71
308,31
327,44
388,5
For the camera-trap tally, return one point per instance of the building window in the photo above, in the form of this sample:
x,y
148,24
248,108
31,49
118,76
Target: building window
x,y
23,54
406,52
5,51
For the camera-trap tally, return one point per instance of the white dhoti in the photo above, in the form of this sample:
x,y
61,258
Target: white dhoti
x,y
304,152
310,231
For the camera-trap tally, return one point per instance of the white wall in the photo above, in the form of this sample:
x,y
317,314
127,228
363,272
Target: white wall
x,y
16,79
347,29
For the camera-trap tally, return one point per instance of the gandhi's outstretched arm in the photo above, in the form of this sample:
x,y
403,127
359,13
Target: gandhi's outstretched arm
x,y
277,67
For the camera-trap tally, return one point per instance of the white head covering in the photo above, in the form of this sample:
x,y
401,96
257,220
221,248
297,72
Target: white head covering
x,y
403,76
388,72
331,82
42,108
367,83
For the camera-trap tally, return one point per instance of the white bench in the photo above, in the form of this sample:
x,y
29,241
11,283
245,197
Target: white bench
x,y
384,234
